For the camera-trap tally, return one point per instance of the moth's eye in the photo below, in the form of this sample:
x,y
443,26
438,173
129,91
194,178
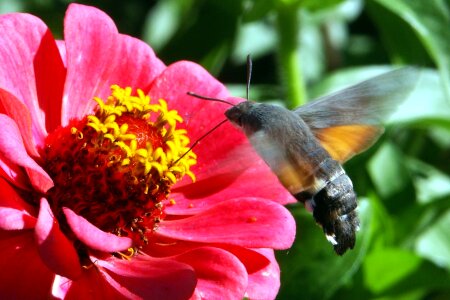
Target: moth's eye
x,y
234,115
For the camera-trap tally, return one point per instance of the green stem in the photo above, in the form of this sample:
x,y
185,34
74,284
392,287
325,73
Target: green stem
x,y
291,74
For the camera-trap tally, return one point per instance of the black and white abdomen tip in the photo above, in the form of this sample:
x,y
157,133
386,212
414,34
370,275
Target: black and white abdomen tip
x,y
334,209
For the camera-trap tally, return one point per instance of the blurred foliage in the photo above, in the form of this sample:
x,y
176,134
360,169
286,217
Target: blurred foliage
x,y
403,247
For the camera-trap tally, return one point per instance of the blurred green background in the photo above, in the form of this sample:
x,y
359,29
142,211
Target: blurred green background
x,y
304,48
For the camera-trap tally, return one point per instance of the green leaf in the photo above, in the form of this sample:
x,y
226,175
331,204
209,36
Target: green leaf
x,y
207,38
384,268
319,5
163,21
11,6
441,137
255,10
393,273
431,21
434,243
382,224
430,183
398,36
388,171
255,38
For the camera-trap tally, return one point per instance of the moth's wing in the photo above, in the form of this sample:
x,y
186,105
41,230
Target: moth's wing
x,y
349,121
368,102
290,156
343,142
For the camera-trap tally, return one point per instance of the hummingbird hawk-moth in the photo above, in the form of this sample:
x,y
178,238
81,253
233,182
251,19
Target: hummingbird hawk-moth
x,y
307,146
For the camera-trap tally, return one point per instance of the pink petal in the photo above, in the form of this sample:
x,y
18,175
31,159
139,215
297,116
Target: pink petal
x,y
61,286
250,258
50,75
199,115
15,174
15,213
100,59
62,50
247,222
88,58
55,249
91,285
16,110
9,197
31,69
264,283
14,219
138,66
148,277
220,274
12,149
23,275
93,237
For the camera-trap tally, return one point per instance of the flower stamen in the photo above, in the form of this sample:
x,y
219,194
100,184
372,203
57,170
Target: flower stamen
x,y
115,167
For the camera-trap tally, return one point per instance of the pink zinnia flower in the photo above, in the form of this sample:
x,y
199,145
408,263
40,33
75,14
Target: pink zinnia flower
x,y
95,201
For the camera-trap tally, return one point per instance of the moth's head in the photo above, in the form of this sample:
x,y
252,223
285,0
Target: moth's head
x,y
237,113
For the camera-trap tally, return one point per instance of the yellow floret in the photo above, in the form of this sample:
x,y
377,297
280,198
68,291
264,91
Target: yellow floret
x,y
163,161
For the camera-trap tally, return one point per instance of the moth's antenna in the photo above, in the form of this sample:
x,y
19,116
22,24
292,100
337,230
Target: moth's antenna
x,y
209,98
200,138
249,74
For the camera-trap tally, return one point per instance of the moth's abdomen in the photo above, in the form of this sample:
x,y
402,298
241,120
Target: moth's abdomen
x,y
334,209
333,204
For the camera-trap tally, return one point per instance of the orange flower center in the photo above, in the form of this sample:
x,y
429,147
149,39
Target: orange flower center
x,y
115,167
